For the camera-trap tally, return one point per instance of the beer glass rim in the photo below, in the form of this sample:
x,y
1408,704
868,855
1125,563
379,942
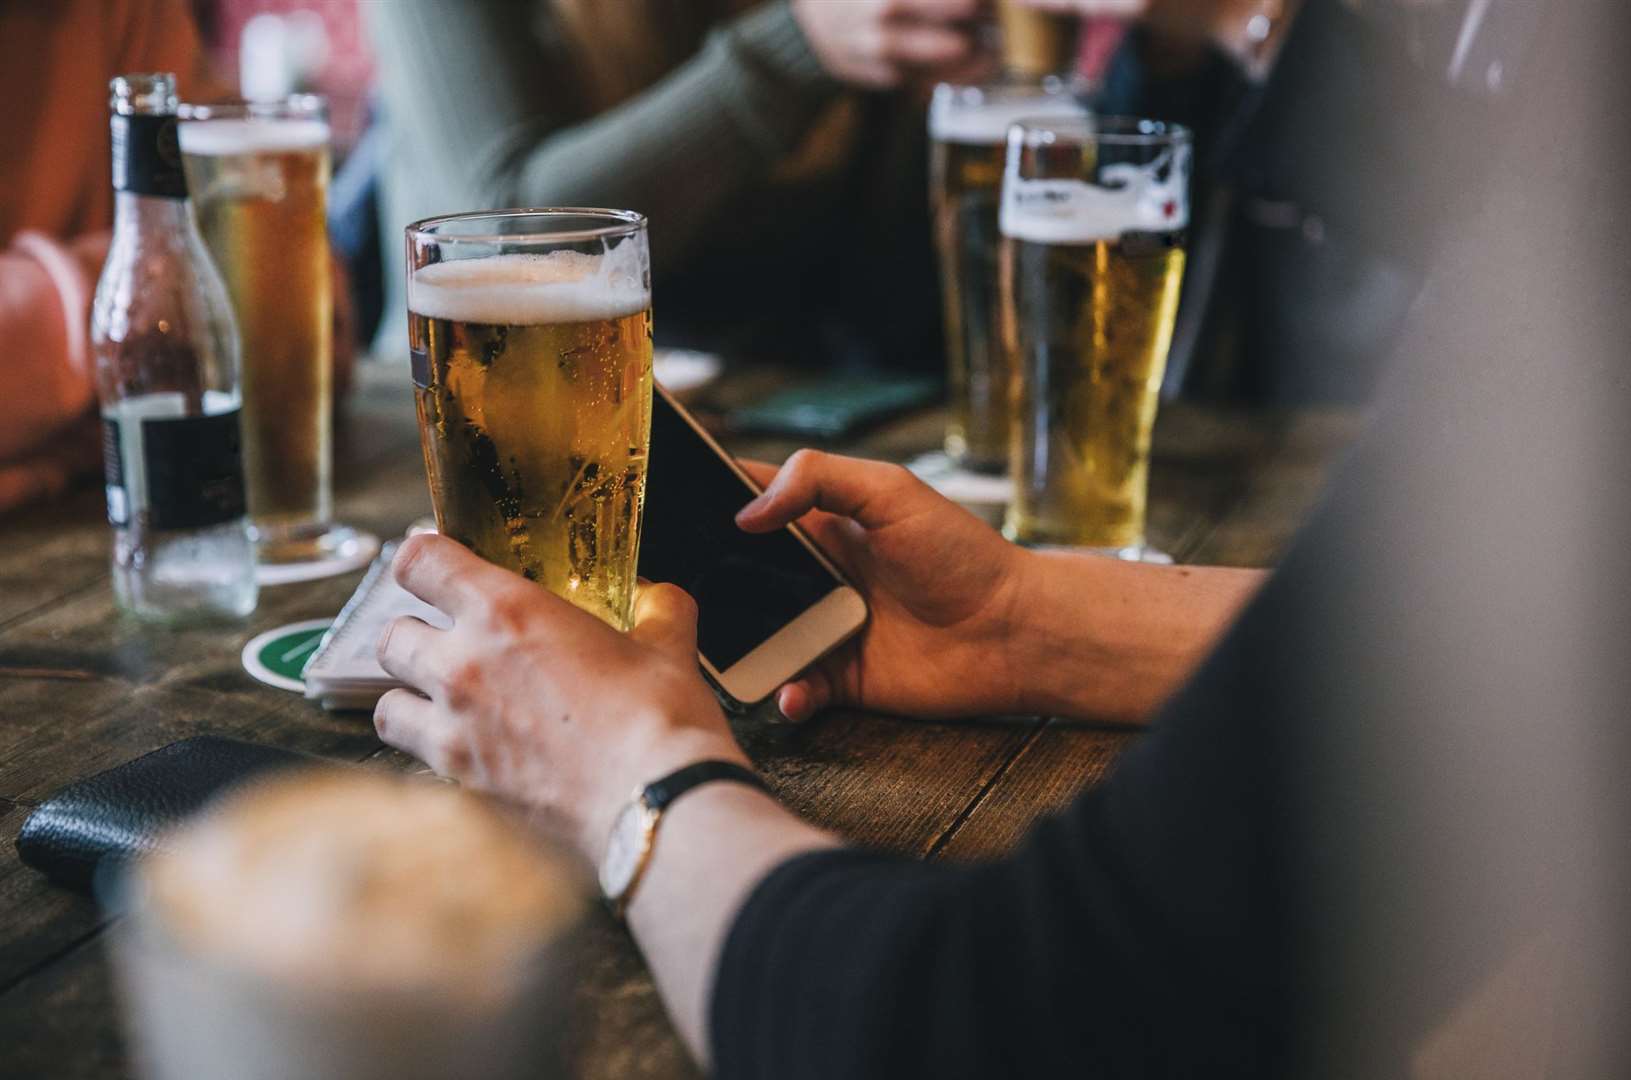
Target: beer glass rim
x,y
290,107
1007,88
1104,130
618,223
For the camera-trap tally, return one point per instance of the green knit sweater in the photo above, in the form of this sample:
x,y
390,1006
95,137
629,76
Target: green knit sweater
x,y
480,111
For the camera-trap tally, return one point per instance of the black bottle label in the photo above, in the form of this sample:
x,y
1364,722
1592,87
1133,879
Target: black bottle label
x,y
187,473
147,156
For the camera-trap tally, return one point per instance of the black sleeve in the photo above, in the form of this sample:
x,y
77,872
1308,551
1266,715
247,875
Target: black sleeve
x,y
1135,934
1360,125
1401,770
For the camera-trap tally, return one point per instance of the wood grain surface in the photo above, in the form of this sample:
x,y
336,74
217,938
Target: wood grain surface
x,y
83,689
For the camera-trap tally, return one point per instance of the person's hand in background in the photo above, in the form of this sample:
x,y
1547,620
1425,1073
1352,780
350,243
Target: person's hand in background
x,y
1221,23
49,380
942,588
1099,9
883,44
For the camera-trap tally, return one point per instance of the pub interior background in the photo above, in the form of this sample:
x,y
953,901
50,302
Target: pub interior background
x,y
828,268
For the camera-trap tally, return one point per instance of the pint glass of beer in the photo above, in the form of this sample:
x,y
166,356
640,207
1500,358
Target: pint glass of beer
x,y
1093,222
530,333
258,173
968,128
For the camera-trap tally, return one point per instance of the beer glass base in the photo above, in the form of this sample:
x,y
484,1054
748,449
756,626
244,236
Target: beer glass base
x,y
1143,553
305,553
942,473
975,464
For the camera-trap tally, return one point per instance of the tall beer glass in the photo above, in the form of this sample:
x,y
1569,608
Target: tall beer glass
x,y
1093,221
968,127
530,333
258,173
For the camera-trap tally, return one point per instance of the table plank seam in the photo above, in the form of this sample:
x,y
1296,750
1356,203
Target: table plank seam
x,y
985,790
52,958
1279,439
57,601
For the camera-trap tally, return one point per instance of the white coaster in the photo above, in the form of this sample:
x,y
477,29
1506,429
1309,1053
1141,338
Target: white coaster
x,y
959,485
1145,554
276,656
683,370
356,553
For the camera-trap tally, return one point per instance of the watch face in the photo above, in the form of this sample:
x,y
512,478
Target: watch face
x,y
623,849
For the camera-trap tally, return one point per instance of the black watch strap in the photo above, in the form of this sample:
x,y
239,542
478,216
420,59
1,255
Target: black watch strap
x,y
659,794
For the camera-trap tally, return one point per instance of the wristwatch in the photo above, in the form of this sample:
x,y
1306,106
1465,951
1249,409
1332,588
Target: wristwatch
x,y
634,830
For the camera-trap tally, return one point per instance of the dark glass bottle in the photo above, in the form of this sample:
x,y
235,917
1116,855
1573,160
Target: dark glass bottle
x,y
166,350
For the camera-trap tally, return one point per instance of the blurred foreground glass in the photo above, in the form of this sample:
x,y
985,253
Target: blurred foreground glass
x,y
1094,214
530,333
259,176
338,924
968,129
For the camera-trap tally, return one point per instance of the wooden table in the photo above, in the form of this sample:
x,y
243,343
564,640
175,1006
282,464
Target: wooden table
x,y
83,689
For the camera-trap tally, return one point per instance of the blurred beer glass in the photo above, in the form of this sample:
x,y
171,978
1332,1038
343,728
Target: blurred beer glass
x,y
530,333
259,174
1093,221
1035,43
968,129
337,924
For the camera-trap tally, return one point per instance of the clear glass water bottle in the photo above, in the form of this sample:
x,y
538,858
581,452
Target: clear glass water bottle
x,y
167,362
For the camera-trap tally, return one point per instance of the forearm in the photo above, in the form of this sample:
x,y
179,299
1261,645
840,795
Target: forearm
x,y
1111,640
719,123
715,845
677,151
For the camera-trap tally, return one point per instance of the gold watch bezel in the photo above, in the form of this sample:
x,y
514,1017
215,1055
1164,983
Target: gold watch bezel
x,y
649,818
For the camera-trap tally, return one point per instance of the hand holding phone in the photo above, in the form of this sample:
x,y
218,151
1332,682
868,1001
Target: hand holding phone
x,y
769,604
947,618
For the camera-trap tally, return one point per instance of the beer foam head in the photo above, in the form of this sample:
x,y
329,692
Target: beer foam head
x,y
224,138
984,121
1127,198
332,877
533,289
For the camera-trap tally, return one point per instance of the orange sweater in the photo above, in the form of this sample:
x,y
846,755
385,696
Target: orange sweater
x,y
55,179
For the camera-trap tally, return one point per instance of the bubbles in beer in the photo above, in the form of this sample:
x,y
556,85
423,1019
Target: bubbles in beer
x,y
537,412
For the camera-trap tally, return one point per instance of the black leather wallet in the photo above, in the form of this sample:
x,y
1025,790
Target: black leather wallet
x,y
81,834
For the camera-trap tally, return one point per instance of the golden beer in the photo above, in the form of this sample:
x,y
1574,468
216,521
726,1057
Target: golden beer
x,y
968,127
533,384
1035,43
1100,318
260,187
1093,220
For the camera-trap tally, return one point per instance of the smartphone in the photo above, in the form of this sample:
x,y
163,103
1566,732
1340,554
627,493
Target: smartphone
x,y
769,604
